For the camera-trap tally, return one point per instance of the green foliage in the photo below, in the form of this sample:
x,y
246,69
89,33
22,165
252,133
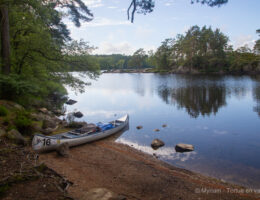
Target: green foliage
x,y
257,44
147,6
23,122
200,48
138,60
14,86
3,111
114,61
204,50
117,61
43,54
243,61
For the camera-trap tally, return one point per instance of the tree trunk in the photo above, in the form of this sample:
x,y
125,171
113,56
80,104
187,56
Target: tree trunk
x,y
5,41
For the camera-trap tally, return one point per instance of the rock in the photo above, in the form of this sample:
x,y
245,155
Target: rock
x,y
48,131
78,114
117,71
184,147
63,149
155,155
11,105
71,102
2,133
49,123
36,117
16,136
157,144
119,197
156,130
100,194
76,124
49,113
18,107
164,125
58,112
64,123
139,127
43,110
36,127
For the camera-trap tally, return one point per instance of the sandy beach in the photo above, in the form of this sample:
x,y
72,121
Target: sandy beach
x,y
109,170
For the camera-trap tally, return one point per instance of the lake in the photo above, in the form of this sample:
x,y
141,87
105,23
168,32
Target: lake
x,y
219,115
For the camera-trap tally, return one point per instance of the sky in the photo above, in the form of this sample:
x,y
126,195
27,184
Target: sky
x,y
111,32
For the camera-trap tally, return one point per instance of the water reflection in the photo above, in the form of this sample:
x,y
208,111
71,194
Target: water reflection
x,y
256,96
197,100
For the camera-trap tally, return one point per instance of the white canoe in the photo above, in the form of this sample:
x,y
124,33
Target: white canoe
x,y
41,143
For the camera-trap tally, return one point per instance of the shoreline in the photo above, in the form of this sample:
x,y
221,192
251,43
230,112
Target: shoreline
x,y
123,170
119,171
192,72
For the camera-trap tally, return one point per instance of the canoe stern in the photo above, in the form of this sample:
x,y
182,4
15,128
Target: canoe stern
x,y
43,143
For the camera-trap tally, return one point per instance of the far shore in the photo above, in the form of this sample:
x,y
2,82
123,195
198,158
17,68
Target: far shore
x,y
181,71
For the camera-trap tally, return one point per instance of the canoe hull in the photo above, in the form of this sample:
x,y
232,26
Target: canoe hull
x,y
43,143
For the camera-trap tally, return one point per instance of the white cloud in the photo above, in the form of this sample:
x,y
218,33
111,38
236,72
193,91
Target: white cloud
x,y
93,3
116,48
120,48
105,22
143,32
243,40
112,7
169,2
122,10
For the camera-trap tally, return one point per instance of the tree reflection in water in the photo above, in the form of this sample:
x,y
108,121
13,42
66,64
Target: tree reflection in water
x,y
256,94
201,95
197,100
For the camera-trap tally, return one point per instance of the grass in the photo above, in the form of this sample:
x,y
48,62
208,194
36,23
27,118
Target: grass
x,y
3,111
23,122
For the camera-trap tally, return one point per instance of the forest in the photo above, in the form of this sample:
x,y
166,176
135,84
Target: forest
x,y
198,50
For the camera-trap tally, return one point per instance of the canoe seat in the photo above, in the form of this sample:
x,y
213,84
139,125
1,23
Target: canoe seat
x,y
67,136
74,133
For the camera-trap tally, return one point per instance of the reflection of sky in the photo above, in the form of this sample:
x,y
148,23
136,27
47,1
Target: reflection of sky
x,y
229,135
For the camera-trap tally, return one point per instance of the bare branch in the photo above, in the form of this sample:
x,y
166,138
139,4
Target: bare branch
x,y
129,9
133,12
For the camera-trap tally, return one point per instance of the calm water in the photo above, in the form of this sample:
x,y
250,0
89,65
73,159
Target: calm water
x,y
219,115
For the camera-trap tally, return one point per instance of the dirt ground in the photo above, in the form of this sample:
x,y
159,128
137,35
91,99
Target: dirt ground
x,y
121,172
22,179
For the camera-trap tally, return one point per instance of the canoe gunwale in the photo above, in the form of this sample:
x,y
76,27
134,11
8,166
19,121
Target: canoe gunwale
x,y
39,141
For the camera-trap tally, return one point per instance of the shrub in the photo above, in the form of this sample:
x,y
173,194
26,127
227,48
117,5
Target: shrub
x,y
13,87
23,122
3,111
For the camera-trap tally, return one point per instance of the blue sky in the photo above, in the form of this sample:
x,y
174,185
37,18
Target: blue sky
x,y
112,33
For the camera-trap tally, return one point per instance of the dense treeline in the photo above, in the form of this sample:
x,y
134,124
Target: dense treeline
x,y
41,52
138,60
199,50
204,50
